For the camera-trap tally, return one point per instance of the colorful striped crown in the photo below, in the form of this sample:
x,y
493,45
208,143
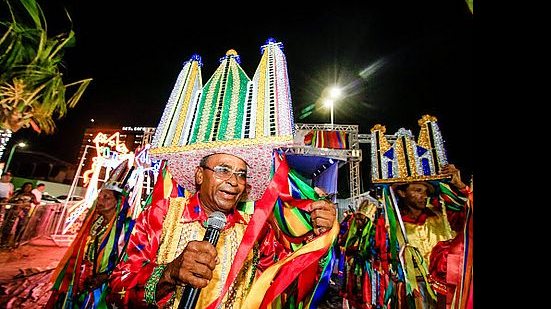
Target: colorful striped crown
x,y
403,159
118,178
229,114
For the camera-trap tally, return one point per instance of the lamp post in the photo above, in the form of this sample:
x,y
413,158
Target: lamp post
x,y
21,145
334,94
330,103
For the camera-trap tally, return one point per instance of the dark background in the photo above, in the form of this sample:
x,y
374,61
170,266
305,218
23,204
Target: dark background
x,y
419,55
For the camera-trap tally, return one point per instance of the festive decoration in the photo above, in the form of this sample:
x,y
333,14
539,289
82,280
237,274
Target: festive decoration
x,y
110,152
326,139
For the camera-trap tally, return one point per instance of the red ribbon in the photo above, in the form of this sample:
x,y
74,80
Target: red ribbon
x,y
263,209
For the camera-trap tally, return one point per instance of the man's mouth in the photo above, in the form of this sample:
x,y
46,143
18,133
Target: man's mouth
x,y
226,192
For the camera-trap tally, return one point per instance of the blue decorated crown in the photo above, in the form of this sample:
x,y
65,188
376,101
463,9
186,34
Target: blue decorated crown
x,y
399,158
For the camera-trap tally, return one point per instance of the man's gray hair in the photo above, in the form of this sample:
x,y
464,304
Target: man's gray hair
x,y
204,160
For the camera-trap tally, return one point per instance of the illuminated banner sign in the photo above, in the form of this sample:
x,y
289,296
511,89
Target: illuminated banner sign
x,y
110,153
143,129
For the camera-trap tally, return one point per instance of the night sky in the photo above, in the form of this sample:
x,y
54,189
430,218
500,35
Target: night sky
x,y
397,62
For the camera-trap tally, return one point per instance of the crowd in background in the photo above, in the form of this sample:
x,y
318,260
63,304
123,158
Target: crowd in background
x,y
16,208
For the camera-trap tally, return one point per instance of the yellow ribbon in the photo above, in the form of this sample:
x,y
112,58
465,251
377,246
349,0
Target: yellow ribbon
x,y
258,289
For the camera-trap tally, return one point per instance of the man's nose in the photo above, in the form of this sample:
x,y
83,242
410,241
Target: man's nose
x,y
231,179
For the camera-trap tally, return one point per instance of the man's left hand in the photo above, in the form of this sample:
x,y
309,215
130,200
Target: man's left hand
x,y
323,214
455,175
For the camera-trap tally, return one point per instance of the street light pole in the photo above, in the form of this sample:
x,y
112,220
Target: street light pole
x,y
335,93
21,144
332,105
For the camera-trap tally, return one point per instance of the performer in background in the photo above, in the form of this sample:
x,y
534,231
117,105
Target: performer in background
x,y
428,207
81,277
430,219
357,246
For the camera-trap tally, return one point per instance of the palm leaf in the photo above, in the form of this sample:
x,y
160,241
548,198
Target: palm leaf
x,y
34,11
5,35
83,84
62,41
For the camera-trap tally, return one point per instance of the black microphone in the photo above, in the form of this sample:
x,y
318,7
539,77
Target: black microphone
x,y
215,223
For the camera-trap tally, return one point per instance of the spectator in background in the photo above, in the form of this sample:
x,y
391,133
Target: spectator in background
x,y
38,192
6,187
17,215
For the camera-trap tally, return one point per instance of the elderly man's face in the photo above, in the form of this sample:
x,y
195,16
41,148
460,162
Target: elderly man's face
x,y
106,201
217,194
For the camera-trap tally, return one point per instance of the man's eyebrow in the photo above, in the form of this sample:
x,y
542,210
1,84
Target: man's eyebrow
x,y
232,168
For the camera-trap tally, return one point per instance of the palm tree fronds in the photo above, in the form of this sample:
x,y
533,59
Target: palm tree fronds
x,y
32,90
42,121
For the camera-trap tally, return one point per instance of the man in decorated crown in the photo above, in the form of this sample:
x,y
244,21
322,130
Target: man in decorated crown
x,y
429,221
429,216
227,141
81,277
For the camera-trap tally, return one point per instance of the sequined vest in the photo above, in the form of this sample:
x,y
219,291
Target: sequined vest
x,y
228,243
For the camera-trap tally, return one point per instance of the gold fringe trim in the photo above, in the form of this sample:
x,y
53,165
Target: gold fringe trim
x,y
410,179
170,237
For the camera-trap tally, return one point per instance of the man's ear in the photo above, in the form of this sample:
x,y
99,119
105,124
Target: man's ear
x,y
401,193
198,176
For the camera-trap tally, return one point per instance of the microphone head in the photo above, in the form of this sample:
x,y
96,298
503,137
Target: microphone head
x,y
216,220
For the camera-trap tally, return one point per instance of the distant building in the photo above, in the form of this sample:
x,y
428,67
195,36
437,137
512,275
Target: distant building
x,y
132,137
42,166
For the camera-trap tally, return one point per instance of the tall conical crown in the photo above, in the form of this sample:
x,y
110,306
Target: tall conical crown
x,y
405,160
119,176
230,114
